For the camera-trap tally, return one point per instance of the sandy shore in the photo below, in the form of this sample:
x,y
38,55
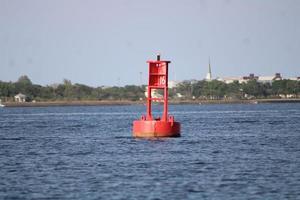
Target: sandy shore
x,y
106,103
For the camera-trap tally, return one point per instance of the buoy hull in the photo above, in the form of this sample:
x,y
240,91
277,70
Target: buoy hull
x,y
153,128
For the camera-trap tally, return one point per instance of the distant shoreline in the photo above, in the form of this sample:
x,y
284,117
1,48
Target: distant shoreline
x,y
124,102
69,103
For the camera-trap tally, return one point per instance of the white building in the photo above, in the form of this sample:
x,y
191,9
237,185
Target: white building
x,y
20,98
269,79
172,84
245,79
294,78
208,75
232,79
154,93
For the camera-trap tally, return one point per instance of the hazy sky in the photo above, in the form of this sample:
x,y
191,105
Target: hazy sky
x,y
107,42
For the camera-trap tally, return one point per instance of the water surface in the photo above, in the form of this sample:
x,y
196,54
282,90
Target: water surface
x,y
225,152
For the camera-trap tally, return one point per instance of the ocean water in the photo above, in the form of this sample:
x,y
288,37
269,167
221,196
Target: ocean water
x,y
226,152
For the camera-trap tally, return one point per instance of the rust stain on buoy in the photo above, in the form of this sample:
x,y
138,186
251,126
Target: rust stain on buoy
x,y
165,126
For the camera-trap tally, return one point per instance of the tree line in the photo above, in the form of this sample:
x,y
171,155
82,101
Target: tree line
x,y
185,90
67,91
251,89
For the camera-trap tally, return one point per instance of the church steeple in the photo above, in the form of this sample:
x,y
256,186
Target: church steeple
x,y
209,76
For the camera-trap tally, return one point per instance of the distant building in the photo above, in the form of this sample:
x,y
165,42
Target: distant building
x,y
191,81
250,77
208,75
269,79
245,79
154,94
172,84
294,78
179,95
287,96
20,98
232,79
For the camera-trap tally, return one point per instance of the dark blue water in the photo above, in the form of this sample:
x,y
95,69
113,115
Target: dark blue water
x,y
225,152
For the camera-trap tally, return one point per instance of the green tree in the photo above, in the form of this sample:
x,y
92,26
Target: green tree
x,y
198,88
214,89
24,80
68,89
252,87
234,90
185,88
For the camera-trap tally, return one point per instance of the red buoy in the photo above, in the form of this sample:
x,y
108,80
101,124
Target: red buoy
x,y
165,126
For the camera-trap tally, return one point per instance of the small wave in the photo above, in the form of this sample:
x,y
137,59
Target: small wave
x,y
19,138
123,137
246,121
80,153
199,163
276,122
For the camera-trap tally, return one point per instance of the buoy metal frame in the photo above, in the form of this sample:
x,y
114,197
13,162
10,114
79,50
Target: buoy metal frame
x,y
148,126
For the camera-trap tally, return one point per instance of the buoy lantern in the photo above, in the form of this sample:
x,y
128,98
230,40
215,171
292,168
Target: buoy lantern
x,y
166,126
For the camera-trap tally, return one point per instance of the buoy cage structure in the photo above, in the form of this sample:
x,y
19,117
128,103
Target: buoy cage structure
x,y
164,126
